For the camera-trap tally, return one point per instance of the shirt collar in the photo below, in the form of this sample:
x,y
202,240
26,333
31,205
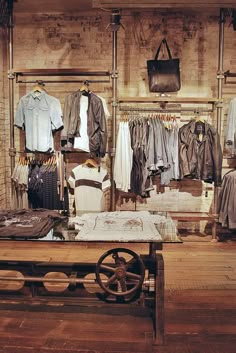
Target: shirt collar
x,y
42,98
37,95
192,127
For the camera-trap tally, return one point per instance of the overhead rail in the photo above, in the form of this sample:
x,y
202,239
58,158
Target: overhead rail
x,y
18,74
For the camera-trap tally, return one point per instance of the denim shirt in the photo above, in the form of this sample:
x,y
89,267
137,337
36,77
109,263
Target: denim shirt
x,y
39,114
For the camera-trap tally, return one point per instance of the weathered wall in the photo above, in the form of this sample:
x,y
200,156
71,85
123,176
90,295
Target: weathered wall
x,y
82,40
4,123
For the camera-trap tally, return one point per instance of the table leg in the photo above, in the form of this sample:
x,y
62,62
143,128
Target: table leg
x,y
159,301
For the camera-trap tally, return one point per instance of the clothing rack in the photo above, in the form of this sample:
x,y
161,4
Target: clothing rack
x,y
19,73
16,73
163,101
162,106
194,110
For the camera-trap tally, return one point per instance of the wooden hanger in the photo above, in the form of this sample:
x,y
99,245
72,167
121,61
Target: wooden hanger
x,y
39,87
200,119
90,162
85,87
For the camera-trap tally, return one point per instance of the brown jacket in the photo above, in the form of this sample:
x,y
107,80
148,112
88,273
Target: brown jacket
x,y
200,159
96,122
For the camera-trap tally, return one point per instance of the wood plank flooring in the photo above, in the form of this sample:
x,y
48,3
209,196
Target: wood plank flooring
x,y
200,305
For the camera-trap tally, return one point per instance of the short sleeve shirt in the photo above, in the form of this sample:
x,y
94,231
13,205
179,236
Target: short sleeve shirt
x,y
89,185
39,114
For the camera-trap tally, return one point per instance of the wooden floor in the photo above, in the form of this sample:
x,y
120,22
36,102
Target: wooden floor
x,y
200,306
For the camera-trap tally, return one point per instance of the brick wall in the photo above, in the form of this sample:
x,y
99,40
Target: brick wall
x,y
4,123
82,40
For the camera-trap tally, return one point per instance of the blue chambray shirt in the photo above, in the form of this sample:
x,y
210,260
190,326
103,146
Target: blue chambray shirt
x,y
39,114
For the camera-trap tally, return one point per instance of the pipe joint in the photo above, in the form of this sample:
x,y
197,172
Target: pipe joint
x,y
220,75
219,103
114,74
12,151
114,104
11,75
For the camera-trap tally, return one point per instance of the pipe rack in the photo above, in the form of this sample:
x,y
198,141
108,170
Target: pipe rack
x,y
18,73
162,104
166,99
194,110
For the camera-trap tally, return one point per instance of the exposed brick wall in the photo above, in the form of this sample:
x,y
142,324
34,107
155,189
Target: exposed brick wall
x,y
83,41
4,123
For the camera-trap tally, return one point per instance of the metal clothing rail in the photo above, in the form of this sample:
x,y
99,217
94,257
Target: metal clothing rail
x,y
167,104
19,73
165,110
167,99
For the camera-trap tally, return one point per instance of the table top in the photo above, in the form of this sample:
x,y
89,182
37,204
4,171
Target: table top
x,y
106,227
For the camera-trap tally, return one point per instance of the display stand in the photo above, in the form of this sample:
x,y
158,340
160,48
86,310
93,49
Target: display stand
x,y
122,277
185,104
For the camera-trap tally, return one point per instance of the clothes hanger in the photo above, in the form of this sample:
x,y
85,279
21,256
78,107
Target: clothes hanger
x,y
90,162
85,88
199,118
39,87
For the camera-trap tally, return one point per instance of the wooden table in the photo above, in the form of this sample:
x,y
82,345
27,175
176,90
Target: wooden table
x,y
36,271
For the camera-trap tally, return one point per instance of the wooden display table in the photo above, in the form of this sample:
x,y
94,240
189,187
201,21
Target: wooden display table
x,y
33,271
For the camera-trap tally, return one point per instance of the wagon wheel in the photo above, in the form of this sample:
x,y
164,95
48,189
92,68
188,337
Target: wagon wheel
x,y
124,271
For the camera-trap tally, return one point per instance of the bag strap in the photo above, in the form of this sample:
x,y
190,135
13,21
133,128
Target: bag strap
x,y
163,42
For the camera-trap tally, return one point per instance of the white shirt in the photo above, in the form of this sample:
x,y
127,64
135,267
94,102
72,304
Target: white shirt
x,y
89,185
117,226
82,142
123,158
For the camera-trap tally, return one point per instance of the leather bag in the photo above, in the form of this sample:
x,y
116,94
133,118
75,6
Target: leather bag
x,y
163,75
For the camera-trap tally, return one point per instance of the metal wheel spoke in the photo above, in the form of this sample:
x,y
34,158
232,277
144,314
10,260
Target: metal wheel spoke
x,y
110,280
130,262
123,285
133,276
108,268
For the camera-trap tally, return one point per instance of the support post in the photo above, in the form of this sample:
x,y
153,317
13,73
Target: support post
x,y
114,26
219,107
12,150
220,73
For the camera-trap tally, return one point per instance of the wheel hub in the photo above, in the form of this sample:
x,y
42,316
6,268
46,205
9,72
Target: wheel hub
x,y
120,273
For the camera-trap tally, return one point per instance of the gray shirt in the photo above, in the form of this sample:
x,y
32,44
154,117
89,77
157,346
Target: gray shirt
x,y
39,114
